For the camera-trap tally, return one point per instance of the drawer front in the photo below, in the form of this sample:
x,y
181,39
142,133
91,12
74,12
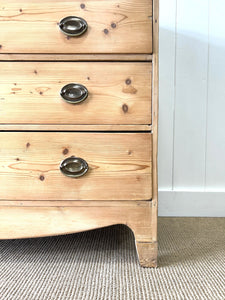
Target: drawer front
x,y
120,166
118,93
113,26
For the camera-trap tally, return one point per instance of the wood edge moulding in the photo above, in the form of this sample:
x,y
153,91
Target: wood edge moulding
x,y
155,103
45,127
73,203
76,57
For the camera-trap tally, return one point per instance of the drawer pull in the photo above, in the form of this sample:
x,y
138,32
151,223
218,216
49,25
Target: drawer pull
x,y
73,26
74,167
74,93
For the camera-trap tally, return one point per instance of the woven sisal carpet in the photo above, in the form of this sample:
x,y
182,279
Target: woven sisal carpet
x,y
102,264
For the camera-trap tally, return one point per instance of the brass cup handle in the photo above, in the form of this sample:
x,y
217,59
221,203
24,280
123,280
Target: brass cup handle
x,y
73,26
74,93
74,167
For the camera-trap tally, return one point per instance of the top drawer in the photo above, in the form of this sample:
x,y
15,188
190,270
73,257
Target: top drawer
x,y
114,26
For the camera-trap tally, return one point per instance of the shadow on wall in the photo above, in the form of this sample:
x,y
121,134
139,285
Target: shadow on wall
x,y
191,111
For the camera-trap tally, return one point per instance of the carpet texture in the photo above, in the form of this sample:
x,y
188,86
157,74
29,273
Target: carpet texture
x,y
102,264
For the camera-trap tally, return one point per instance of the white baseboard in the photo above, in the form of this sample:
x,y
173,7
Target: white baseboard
x,y
191,203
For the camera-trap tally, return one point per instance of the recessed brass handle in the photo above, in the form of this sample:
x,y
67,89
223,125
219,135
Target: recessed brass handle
x,y
73,26
74,93
74,167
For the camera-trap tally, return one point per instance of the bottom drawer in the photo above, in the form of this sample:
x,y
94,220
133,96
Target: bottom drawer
x,y
118,166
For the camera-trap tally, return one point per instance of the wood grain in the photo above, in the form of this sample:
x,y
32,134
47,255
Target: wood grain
x,y
75,57
62,127
36,199
119,93
24,222
71,203
155,90
120,166
114,26
147,253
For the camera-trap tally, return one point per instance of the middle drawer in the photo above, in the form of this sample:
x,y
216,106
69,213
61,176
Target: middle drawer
x,y
118,93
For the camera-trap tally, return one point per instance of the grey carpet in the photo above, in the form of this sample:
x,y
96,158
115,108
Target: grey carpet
x,y
102,264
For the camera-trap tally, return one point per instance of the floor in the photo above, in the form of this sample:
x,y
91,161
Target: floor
x,y
102,264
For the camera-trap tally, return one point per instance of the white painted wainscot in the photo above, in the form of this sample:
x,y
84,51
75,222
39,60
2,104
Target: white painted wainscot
x,y
192,108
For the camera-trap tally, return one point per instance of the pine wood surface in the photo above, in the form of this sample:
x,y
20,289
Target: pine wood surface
x,y
23,222
119,166
123,26
62,127
155,92
71,203
36,199
119,93
75,57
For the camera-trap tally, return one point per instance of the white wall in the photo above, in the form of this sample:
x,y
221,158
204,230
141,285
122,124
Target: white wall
x,y
192,108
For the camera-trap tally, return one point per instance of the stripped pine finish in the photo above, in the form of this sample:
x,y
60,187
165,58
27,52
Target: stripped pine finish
x,y
62,127
16,222
33,88
113,26
71,203
75,57
119,166
74,219
114,130
155,90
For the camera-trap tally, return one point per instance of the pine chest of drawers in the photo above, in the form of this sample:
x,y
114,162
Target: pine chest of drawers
x,y
78,126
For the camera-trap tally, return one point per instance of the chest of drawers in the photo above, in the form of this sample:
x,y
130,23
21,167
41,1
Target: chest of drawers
x,y
78,126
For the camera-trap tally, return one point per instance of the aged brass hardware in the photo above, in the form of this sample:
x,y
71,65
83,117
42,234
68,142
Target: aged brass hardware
x,y
74,167
73,26
74,93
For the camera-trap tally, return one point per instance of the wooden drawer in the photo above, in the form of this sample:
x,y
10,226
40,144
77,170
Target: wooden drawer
x,y
113,26
118,93
120,166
